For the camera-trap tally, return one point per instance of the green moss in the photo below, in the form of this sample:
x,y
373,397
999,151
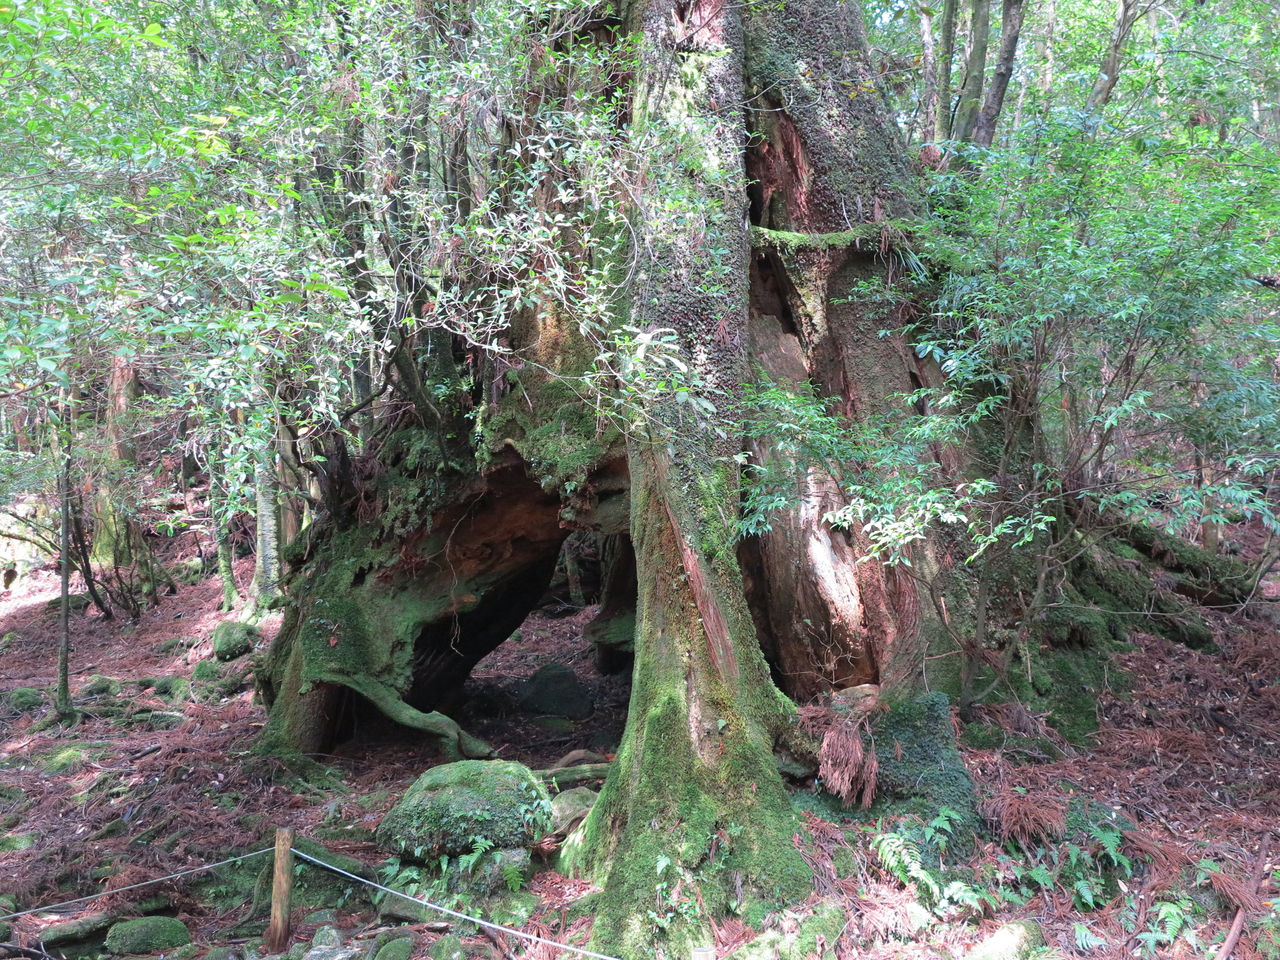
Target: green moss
x,y
25,699
233,639
551,423
787,241
447,948
66,760
100,686
147,935
400,949
813,939
15,842
206,671
920,768
451,806
617,633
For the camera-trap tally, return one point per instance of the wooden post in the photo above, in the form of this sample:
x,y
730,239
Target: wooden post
x,y
277,937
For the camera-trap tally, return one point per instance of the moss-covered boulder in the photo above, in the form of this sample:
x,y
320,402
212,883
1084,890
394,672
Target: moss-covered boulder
x,y
555,690
400,949
232,639
920,767
447,948
100,686
75,602
569,807
147,935
1019,940
25,699
206,671
453,805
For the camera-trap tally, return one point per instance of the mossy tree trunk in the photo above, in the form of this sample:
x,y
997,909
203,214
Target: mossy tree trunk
x,y
831,193
694,819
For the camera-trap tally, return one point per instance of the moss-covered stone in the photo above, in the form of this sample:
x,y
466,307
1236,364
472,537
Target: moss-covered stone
x,y
447,948
920,767
76,602
25,699
173,689
400,949
100,686
570,806
206,671
451,806
147,935
233,639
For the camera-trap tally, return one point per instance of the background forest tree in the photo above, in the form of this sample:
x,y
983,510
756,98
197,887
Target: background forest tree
x,y
899,346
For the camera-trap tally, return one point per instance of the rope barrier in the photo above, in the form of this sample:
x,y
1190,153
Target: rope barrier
x,y
454,913
134,886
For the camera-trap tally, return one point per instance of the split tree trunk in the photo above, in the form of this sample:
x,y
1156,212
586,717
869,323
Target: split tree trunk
x,y
832,194
1010,30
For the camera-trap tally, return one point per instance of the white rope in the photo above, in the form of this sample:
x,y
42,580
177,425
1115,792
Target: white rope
x,y
455,913
134,886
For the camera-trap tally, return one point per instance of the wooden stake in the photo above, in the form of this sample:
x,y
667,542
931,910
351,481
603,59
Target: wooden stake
x,y
277,937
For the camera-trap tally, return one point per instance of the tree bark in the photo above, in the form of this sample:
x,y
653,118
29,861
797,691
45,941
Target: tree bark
x,y
823,225
946,54
975,69
1109,74
1010,30
696,762
930,100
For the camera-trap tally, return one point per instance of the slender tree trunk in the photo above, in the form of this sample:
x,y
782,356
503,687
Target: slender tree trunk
x,y
64,706
975,69
1046,46
930,104
946,55
266,570
1109,74
226,571
1010,30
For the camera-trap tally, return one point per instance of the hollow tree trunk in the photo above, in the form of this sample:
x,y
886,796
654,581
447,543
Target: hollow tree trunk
x,y
832,191
399,602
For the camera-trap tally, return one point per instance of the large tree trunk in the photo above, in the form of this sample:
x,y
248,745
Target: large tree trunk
x,y
696,765
831,192
394,609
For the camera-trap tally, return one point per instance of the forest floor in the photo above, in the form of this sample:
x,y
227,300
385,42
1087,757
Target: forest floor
x,y
159,776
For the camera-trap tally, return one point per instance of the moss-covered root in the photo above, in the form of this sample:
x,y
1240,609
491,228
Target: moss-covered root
x,y
454,741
